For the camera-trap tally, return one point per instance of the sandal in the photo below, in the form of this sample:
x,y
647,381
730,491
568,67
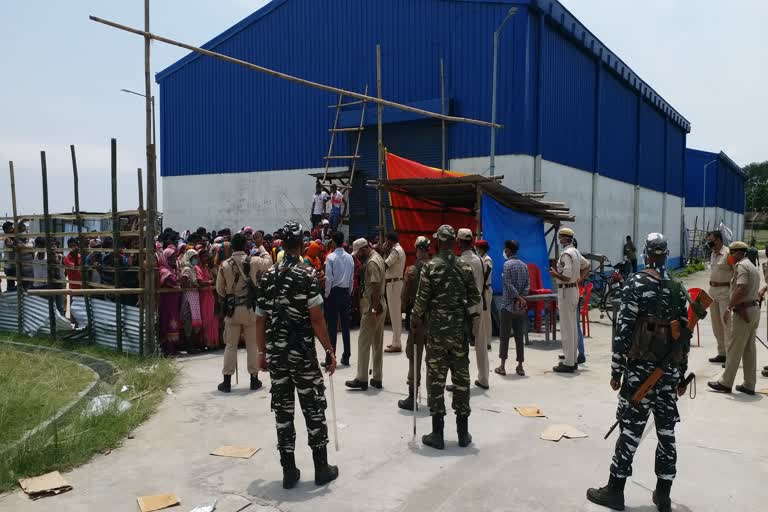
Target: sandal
x,y
519,370
500,371
390,349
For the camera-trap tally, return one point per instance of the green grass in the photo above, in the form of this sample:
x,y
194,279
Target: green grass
x,y
692,268
34,387
74,439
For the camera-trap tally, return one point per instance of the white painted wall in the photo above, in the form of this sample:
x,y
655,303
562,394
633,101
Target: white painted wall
x,y
264,200
516,169
651,205
614,217
673,225
573,187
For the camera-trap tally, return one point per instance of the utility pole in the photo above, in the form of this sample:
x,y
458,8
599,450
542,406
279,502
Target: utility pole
x,y
496,35
150,295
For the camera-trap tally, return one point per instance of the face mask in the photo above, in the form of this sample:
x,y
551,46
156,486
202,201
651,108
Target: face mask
x,y
711,245
193,262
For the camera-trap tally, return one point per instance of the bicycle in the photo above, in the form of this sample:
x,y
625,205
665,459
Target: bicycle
x,y
606,289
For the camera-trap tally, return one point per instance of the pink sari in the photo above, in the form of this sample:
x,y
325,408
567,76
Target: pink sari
x,y
210,330
168,304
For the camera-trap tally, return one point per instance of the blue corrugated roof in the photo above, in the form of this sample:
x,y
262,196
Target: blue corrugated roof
x,y
556,12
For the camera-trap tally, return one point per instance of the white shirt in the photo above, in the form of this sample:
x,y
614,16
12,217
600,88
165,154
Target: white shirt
x,y
395,263
339,271
337,200
476,263
318,202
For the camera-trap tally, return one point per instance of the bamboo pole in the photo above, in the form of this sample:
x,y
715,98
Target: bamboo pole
x,y
116,256
379,110
19,269
479,212
291,78
83,250
142,266
150,283
86,292
49,257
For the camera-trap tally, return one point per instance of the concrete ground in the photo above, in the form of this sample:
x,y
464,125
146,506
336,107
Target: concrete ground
x,y
723,456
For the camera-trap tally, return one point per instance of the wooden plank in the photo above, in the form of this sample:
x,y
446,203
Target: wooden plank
x,y
48,246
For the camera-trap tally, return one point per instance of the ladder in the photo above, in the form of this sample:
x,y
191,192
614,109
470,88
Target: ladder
x,y
345,183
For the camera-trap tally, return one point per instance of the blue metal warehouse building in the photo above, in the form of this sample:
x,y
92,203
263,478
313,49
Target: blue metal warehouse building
x,y
717,177
579,124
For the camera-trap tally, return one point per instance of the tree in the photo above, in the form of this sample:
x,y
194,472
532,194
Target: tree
x,y
757,186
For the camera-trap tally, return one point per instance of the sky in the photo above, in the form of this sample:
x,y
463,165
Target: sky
x,y
63,74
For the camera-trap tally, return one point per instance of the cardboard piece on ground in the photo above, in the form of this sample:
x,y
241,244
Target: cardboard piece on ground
x,y
159,502
573,433
763,391
236,452
553,433
530,411
41,486
557,432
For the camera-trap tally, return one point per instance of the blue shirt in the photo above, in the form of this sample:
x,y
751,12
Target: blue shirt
x,y
339,271
516,282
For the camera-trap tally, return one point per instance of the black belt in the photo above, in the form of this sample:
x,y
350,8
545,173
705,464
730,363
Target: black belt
x,y
745,305
569,285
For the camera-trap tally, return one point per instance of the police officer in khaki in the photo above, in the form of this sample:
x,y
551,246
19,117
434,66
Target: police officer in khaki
x,y
395,267
719,290
741,318
236,275
566,277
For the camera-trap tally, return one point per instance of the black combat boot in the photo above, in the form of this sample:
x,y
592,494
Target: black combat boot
x,y
435,439
407,403
255,382
226,386
462,427
324,472
611,496
291,473
661,495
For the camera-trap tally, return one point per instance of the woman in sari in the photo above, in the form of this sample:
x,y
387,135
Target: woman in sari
x,y
210,330
190,301
168,306
312,256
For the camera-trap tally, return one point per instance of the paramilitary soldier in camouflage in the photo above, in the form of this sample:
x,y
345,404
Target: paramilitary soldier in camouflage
x,y
446,291
289,316
645,337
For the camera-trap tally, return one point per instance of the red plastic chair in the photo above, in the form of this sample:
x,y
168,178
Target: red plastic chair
x,y
585,292
694,293
536,288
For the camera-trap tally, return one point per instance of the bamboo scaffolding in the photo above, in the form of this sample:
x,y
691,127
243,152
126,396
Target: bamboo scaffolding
x,y
382,102
87,292
72,216
19,271
116,241
150,280
48,245
82,249
380,145
142,265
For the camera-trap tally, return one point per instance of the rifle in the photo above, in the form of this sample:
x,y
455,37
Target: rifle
x,y
652,379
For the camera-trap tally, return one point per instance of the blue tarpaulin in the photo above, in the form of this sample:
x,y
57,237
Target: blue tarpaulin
x,y
501,223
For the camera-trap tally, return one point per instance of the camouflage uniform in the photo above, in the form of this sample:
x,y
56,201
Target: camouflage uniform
x,y
644,295
289,290
446,288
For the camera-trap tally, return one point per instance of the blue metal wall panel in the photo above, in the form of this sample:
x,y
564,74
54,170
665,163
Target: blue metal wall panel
x,y
652,148
675,164
569,102
218,117
618,130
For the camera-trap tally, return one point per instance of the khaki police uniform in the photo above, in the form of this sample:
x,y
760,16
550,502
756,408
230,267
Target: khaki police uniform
x,y
740,332
569,266
371,336
395,268
486,324
231,281
481,346
720,291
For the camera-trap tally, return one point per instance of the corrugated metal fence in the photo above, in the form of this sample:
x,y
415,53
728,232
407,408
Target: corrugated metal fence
x,y
35,320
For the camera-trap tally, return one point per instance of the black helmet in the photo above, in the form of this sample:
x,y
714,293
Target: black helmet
x,y
292,231
656,245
